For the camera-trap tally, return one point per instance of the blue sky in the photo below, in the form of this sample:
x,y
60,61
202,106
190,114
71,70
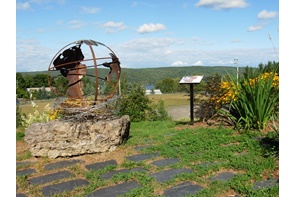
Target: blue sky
x,y
151,33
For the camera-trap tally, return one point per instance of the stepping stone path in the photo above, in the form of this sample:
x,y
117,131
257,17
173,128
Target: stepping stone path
x,y
51,190
182,189
109,175
165,162
141,157
168,175
50,177
100,165
25,172
224,176
115,190
52,184
61,164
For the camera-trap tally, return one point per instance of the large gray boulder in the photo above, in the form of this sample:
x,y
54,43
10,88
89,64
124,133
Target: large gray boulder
x,y
61,138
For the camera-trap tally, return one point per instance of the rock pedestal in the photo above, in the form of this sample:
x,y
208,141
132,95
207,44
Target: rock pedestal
x,y
61,138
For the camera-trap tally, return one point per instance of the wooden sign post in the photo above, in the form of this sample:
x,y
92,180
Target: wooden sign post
x,y
191,80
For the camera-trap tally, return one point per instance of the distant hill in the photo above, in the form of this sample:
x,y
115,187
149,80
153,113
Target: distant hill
x,y
146,76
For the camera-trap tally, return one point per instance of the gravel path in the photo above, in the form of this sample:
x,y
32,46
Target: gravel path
x,y
179,112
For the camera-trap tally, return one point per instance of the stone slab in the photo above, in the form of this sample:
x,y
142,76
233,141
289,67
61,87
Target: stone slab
x,y
61,164
168,175
165,162
54,189
109,175
224,176
183,189
207,164
141,157
100,165
24,163
50,177
116,190
266,184
25,172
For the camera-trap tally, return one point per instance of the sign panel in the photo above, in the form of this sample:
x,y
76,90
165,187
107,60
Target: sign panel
x,y
191,79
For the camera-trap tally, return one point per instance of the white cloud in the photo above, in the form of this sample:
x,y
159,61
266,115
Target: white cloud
x,y
178,63
255,27
23,6
149,28
112,27
89,10
198,63
266,14
31,56
222,4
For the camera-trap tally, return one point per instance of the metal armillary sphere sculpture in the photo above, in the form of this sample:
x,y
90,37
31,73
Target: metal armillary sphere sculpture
x,y
78,62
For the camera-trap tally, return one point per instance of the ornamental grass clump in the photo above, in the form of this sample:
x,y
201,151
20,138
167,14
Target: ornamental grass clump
x,y
256,101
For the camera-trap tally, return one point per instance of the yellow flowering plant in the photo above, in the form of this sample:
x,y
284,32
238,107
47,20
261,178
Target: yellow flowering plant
x,y
47,115
256,101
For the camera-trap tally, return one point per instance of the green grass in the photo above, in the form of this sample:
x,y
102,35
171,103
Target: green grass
x,y
231,151
170,100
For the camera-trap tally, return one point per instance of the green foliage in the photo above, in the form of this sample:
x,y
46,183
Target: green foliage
x,y
206,108
168,85
157,112
134,102
20,135
257,100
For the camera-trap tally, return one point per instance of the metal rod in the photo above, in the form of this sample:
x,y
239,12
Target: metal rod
x,y
192,103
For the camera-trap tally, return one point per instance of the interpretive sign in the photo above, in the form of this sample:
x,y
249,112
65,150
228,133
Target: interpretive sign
x,y
191,79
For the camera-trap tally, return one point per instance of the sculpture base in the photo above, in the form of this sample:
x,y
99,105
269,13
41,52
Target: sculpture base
x,y
62,138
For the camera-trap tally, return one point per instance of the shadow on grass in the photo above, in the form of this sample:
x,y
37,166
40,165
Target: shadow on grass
x,y
270,146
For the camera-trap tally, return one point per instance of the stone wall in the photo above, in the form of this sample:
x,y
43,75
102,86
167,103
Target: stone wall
x,y
60,138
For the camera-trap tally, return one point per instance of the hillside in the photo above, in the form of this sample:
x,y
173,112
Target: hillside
x,y
152,75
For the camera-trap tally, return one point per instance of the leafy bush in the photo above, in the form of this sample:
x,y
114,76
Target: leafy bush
x,y
135,103
207,106
157,112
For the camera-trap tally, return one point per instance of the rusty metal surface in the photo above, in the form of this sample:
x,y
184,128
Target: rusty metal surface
x,y
80,59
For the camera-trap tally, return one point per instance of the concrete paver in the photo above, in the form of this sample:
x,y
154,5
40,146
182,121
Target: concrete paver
x,y
61,164
167,175
51,190
116,190
100,165
49,177
183,189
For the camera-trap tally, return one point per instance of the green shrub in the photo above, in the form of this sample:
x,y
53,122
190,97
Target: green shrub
x,y
135,103
157,112
257,100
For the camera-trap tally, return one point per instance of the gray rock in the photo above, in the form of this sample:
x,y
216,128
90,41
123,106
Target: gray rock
x,y
62,138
